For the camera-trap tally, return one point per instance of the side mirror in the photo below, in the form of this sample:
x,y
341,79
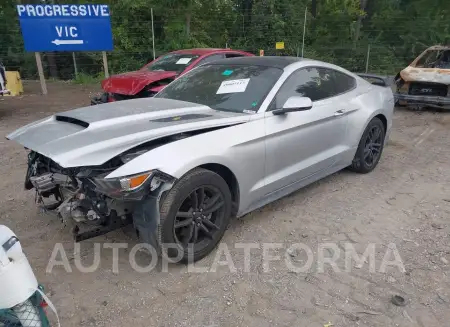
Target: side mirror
x,y
293,104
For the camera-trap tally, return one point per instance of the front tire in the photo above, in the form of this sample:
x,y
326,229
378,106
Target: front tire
x,y
195,214
370,147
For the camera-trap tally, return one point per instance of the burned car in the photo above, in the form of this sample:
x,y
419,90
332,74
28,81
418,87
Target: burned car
x,y
155,75
426,81
221,141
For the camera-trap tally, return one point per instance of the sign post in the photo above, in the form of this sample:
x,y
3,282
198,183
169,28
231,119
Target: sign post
x,y
51,27
75,69
105,64
41,73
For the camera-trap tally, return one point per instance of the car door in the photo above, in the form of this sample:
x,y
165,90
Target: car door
x,y
301,144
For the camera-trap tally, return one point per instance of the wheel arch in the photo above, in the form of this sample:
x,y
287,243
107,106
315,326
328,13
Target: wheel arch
x,y
231,180
380,115
223,171
383,119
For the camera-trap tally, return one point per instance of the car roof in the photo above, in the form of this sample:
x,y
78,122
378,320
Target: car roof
x,y
203,51
281,62
268,61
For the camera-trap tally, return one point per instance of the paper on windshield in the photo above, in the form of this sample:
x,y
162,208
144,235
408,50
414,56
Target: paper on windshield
x,y
183,61
233,86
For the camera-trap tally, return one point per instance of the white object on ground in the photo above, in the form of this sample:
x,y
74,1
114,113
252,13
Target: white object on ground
x,y
17,280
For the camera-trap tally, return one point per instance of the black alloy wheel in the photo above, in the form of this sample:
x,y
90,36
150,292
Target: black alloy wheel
x,y
195,214
372,147
199,217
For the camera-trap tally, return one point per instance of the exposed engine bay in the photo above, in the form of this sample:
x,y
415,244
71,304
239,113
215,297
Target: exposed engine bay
x,y
82,198
72,189
73,195
99,170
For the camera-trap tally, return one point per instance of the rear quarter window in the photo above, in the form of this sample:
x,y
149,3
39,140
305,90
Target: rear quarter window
x,y
343,82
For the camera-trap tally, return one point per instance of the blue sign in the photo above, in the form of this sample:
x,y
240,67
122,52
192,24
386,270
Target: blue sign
x,y
48,27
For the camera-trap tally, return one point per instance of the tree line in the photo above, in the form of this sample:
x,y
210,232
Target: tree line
x,y
391,32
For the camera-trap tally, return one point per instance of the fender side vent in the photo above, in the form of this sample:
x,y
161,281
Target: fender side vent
x,y
71,120
180,118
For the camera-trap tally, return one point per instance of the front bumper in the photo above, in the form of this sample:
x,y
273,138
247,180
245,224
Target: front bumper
x,y
424,100
106,97
99,99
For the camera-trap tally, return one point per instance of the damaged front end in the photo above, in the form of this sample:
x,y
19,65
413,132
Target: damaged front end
x,y
122,93
426,82
94,205
105,97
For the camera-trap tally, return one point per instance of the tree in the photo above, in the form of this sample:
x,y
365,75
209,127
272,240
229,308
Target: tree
x,y
338,31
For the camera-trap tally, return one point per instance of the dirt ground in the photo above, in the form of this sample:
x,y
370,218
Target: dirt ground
x,y
405,201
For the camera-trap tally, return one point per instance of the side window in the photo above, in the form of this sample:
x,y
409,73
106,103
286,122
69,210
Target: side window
x,y
209,59
342,82
428,59
307,82
315,83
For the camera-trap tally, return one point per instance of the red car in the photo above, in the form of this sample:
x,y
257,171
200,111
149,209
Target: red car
x,y
154,76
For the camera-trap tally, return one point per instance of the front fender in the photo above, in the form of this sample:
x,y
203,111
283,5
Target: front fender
x,y
178,171
174,159
240,148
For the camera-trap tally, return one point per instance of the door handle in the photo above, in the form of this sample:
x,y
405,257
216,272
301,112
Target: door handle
x,y
339,112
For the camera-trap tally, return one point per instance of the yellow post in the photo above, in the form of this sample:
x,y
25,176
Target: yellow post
x,y
13,83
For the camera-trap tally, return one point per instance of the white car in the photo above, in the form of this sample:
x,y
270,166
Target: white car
x,y
224,139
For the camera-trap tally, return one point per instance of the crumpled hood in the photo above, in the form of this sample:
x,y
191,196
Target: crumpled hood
x,y
133,82
92,135
434,75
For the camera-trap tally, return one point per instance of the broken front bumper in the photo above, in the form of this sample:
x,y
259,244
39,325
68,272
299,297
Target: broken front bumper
x,y
99,99
423,100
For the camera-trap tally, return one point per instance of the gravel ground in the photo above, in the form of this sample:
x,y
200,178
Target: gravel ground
x,y
405,201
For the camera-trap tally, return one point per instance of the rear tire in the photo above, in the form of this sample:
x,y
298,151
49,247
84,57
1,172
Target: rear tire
x,y
370,148
195,214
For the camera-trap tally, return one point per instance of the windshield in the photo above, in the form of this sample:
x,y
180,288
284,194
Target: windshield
x,y
435,59
175,62
237,88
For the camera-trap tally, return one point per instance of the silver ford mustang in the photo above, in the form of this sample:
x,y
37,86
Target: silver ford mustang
x,y
222,140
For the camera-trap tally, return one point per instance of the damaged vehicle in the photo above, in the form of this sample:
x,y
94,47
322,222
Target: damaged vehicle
x,y
426,81
154,76
223,140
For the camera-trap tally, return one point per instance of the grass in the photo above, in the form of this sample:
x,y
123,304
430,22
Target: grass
x,y
86,79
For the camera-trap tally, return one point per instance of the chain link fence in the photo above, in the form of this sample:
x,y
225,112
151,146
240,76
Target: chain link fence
x,y
133,43
30,313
